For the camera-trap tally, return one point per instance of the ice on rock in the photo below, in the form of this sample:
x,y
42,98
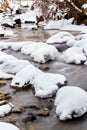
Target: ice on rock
x,y
46,84
7,126
13,66
45,54
70,102
33,46
5,109
60,37
74,55
24,76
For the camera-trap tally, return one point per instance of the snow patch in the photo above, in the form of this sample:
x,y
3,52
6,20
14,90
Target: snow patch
x,y
46,84
70,102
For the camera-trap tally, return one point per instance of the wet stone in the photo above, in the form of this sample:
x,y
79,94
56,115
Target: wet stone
x,y
3,102
2,83
32,107
29,118
18,110
44,68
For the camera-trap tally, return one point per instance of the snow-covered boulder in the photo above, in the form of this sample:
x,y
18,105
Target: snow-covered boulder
x,y
70,102
45,54
74,55
5,109
60,37
13,66
5,57
24,76
7,126
31,47
46,84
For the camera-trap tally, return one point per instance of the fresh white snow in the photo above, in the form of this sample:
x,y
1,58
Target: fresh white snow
x,y
45,54
70,102
31,47
5,109
7,126
13,66
60,37
46,84
74,55
24,76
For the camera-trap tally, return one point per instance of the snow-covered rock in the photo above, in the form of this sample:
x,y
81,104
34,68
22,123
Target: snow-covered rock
x,y
72,27
46,84
5,109
45,54
13,66
31,47
4,75
5,57
74,55
70,102
58,24
60,37
7,126
24,76
16,46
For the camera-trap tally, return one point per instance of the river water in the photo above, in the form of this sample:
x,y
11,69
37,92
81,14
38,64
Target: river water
x,y
25,100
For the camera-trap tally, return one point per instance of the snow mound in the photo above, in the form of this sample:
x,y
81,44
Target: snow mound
x,y
4,75
7,126
45,54
5,109
70,102
74,55
13,66
58,24
46,84
24,76
5,57
16,46
33,46
60,37
5,45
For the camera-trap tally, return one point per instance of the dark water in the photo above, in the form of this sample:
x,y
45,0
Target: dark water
x,y
75,74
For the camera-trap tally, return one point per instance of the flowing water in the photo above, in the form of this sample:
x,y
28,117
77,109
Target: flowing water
x,y
24,100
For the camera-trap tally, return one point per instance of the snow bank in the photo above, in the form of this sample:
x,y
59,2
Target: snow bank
x,y
13,66
46,84
7,126
60,37
74,55
45,54
70,102
24,76
5,109
58,24
31,47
